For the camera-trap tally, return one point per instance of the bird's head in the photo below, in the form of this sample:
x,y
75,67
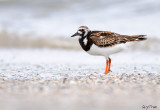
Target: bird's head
x,y
82,31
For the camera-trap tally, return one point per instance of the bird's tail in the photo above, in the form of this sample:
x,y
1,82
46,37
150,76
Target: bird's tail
x,y
136,38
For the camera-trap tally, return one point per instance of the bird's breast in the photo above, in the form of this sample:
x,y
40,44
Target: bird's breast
x,y
105,51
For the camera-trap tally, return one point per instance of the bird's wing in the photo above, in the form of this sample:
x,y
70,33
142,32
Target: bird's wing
x,y
107,39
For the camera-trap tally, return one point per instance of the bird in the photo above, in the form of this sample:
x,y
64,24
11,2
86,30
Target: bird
x,y
104,43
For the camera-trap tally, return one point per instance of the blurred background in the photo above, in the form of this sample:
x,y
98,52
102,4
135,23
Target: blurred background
x,y
41,66
50,23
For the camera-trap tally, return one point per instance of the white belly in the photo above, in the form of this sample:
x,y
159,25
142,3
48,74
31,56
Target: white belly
x,y
106,51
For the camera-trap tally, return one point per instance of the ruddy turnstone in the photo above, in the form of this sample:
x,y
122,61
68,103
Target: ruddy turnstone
x,y
104,43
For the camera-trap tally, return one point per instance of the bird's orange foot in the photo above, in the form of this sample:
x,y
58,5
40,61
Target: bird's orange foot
x,y
106,72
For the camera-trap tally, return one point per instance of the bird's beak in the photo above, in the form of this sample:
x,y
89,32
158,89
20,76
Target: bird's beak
x,y
75,34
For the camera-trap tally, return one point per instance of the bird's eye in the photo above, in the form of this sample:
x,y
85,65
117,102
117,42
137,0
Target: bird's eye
x,y
81,29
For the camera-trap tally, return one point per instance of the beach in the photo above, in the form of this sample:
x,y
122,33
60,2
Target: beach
x,y
38,79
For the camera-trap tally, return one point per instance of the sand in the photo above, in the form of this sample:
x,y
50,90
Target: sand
x,y
36,80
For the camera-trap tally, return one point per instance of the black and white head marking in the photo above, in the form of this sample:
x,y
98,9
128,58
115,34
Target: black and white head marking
x,y
83,31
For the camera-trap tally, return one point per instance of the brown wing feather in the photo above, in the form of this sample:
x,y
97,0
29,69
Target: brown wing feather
x,y
107,39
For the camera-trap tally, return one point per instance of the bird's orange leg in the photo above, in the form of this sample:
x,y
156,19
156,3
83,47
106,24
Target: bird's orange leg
x,y
108,65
